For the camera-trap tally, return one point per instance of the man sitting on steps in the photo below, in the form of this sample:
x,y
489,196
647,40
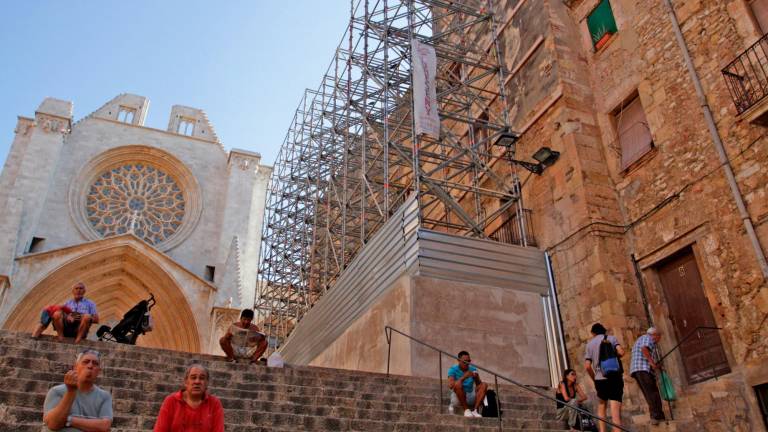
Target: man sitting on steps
x,y
78,404
243,340
467,389
76,323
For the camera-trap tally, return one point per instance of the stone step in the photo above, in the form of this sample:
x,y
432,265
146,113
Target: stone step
x,y
255,398
306,421
129,377
174,362
151,406
39,382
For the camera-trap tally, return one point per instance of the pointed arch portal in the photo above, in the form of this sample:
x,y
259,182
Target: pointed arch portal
x,y
116,279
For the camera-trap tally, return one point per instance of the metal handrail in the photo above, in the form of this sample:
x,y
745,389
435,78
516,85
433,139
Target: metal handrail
x,y
746,76
388,332
688,336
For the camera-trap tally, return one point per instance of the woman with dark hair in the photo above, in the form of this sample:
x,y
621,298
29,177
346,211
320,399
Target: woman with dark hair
x,y
569,392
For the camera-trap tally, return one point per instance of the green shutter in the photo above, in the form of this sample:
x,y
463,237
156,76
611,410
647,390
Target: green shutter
x,y
601,21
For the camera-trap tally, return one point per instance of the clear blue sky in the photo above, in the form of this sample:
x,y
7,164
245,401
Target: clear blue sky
x,y
245,62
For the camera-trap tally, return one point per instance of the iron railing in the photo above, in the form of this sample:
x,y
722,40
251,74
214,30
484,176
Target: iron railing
x,y
512,228
747,76
388,332
696,331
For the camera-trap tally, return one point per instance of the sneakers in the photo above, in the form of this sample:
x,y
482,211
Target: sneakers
x,y
471,413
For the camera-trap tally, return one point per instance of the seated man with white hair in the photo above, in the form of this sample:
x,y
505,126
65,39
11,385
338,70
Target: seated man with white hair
x,y
645,363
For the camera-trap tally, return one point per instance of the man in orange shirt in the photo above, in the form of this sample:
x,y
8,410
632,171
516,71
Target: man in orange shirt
x,y
191,409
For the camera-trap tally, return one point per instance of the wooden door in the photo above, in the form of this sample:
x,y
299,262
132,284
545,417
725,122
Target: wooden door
x,y
703,354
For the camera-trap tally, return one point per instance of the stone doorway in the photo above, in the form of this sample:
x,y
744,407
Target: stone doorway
x,y
116,277
702,353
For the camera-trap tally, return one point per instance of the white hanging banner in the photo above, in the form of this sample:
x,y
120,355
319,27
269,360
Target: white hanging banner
x,y
424,69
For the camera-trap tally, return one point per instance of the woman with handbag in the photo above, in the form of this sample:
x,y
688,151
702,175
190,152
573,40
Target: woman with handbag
x,y
570,393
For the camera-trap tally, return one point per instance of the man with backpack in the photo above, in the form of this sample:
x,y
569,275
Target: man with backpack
x,y
603,364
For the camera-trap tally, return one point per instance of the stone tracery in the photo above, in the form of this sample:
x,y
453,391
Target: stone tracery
x,y
136,197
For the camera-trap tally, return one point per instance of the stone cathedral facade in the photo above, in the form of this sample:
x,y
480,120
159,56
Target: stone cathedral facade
x,y
130,211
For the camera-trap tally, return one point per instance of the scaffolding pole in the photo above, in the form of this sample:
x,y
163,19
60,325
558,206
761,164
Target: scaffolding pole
x,y
351,156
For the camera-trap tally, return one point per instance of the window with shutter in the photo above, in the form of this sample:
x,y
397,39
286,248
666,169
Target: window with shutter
x,y
601,24
760,11
634,135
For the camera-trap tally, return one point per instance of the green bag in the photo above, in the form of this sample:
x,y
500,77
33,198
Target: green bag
x,y
667,388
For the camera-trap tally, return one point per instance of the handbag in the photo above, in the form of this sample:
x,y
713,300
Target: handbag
x,y
667,388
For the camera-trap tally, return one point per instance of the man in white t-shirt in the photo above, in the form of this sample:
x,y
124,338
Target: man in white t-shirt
x,y
243,340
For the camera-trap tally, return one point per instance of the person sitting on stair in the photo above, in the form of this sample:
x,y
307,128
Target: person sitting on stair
x,y
76,323
78,404
467,389
46,316
191,409
243,340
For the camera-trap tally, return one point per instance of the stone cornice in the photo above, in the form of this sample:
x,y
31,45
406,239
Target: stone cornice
x,y
128,240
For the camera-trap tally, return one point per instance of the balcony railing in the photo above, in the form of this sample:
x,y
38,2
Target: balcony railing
x,y
511,230
747,76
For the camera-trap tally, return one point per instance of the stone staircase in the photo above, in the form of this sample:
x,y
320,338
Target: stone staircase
x,y
255,398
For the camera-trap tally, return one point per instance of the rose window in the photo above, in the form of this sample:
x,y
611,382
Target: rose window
x,y
137,198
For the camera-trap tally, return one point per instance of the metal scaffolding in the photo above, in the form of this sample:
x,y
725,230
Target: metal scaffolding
x,y
351,155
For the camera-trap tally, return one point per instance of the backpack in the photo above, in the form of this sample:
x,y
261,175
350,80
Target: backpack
x,y
491,405
609,361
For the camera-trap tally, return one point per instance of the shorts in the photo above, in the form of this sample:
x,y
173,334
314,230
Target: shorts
x,y
244,352
70,328
611,388
45,318
470,398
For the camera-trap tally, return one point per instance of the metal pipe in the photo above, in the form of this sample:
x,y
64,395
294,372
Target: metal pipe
x,y
718,142
440,389
559,320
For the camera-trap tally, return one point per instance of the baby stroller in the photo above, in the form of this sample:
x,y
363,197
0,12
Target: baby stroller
x,y
134,323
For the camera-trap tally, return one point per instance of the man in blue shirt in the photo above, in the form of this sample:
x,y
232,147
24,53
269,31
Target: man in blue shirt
x,y
77,323
467,389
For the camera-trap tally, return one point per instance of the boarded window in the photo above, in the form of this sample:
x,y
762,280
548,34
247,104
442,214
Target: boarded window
x,y
601,23
760,10
634,135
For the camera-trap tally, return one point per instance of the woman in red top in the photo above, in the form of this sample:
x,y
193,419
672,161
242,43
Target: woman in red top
x,y
191,409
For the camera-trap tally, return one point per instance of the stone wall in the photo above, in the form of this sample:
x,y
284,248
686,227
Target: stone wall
x,y
592,215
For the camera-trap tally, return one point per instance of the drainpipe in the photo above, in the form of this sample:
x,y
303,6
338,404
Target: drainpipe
x,y
718,142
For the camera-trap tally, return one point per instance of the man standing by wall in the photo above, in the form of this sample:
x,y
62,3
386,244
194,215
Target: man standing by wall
x,y
645,363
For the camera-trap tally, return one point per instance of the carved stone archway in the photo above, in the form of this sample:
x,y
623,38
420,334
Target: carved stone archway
x,y
116,278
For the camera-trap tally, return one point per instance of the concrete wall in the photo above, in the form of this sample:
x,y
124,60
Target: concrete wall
x,y
363,346
503,329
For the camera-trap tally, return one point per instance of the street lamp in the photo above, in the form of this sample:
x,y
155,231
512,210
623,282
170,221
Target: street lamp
x,y
545,156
